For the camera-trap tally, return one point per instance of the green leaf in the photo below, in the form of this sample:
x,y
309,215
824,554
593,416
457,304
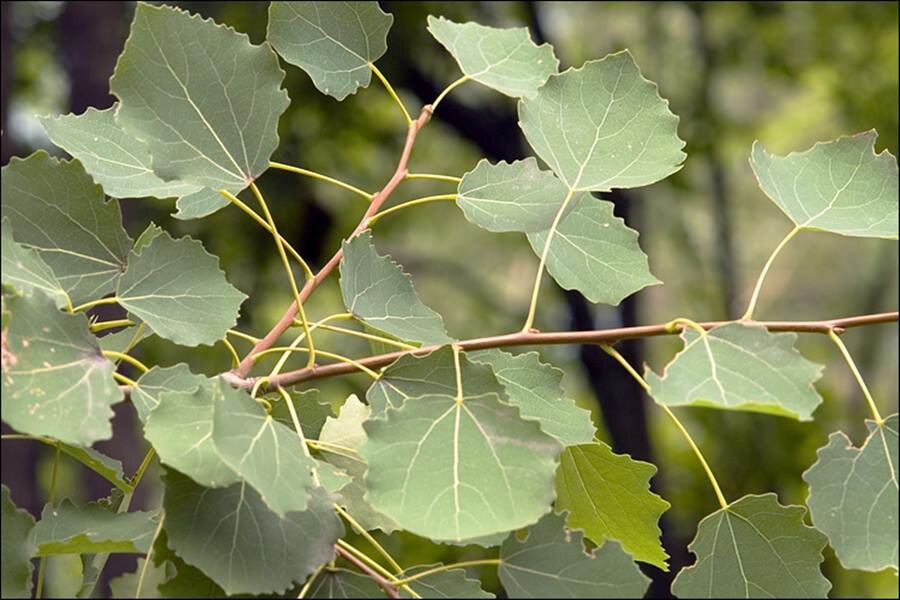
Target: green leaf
x,y
92,529
433,373
263,452
108,468
334,42
608,497
594,252
739,367
347,431
446,584
232,537
552,563
56,382
206,121
840,186
455,468
311,411
603,126
18,548
24,270
124,340
186,581
180,427
344,583
377,291
158,380
126,585
853,496
503,59
510,197
178,290
199,204
119,162
536,388
756,548
55,208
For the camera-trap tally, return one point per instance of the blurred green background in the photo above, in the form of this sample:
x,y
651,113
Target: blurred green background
x,y
788,74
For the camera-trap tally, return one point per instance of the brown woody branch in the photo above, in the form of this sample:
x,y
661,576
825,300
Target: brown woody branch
x,y
534,338
377,200
389,588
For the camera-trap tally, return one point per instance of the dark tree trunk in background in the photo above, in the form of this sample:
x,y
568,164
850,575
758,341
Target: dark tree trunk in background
x,y
6,78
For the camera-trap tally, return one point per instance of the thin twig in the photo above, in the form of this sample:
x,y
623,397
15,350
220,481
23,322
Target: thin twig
x,y
383,583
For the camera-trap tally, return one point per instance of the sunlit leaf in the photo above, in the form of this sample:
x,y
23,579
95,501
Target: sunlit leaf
x,y
853,496
594,252
434,373
178,290
377,291
18,548
608,496
510,197
24,269
180,427
334,42
342,436
232,537
262,451
56,382
70,529
178,378
756,548
117,161
536,388
603,126
55,208
503,59
454,468
740,367
552,563
203,98
840,186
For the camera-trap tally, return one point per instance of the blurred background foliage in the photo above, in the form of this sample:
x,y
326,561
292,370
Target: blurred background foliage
x,y
788,74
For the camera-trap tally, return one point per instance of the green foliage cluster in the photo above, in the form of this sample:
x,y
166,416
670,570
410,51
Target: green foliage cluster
x,y
458,441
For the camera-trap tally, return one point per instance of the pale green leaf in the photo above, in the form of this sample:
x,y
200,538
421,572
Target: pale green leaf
x,y
24,270
150,233
608,497
56,382
552,563
55,208
756,548
603,126
311,411
63,576
232,537
18,548
446,584
262,451
503,59
119,162
180,428
199,204
536,388
453,468
853,496
510,197
377,291
178,290
124,340
344,583
334,42
202,97
434,373
739,367
126,585
342,434
108,468
840,186
594,252
158,380
92,529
